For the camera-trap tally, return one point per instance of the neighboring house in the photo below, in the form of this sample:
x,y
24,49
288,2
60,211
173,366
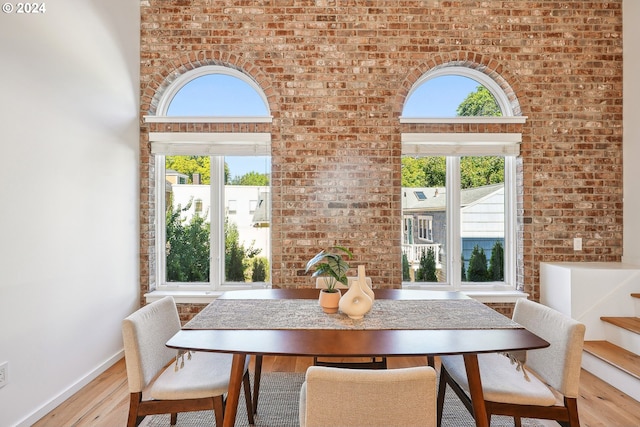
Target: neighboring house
x,y
242,202
424,220
175,177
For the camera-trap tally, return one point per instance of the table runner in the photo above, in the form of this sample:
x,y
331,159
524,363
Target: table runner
x,y
385,314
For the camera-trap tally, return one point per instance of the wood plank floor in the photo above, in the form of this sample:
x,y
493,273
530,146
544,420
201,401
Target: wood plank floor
x,y
104,402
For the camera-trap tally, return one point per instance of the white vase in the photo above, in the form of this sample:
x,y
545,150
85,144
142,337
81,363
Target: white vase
x,y
355,303
362,279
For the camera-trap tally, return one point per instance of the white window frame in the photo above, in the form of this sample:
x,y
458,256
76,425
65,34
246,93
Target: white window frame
x,y
453,236
453,146
428,229
216,146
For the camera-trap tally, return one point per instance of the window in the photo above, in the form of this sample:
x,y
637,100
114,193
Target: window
x,y
459,188
232,207
208,237
420,195
425,228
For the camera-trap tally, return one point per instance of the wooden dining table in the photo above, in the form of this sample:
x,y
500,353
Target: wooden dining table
x,y
401,323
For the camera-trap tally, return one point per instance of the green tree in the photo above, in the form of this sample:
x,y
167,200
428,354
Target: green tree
x,y
259,269
405,268
463,272
427,269
187,247
236,255
477,271
423,171
431,171
189,165
234,268
479,103
496,263
251,178
479,171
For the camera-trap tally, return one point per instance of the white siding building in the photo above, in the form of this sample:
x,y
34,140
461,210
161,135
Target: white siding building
x,y
241,203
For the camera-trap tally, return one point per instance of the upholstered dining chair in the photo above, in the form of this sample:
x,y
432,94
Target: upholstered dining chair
x,y
170,385
368,363
542,384
404,397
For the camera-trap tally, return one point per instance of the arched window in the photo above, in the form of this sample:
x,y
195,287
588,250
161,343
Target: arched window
x,y
440,92
214,91
207,233
466,182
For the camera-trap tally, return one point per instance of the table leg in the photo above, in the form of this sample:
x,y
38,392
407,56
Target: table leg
x,y
257,373
233,396
475,390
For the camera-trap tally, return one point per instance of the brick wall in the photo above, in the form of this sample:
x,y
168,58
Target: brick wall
x,y
336,73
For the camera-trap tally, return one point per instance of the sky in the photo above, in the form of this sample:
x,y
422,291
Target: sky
x,y
224,95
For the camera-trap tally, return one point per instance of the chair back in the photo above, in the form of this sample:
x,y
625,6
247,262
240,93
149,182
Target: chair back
x,y
368,398
321,282
559,364
145,333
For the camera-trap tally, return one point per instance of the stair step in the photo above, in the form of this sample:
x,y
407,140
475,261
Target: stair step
x,y
614,355
629,323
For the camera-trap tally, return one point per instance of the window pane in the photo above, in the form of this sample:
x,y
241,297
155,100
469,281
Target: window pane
x,y
187,219
217,95
482,218
451,96
247,218
424,209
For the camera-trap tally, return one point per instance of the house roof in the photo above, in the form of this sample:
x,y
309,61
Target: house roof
x,y
423,198
434,198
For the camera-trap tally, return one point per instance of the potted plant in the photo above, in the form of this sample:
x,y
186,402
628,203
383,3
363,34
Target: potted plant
x,y
330,265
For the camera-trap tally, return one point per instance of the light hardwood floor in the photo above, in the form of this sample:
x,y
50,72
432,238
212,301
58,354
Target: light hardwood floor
x,y
104,402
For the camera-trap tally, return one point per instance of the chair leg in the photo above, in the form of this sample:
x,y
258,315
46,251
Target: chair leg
x,y
134,403
572,410
246,385
431,361
442,388
174,419
218,409
517,421
257,373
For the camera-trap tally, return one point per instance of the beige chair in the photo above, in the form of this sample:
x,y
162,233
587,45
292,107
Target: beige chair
x,y
368,398
369,363
168,386
548,390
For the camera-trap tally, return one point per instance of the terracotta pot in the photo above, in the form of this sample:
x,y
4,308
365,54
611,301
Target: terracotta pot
x,y
329,301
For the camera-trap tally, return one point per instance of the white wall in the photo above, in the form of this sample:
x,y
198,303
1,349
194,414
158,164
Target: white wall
x,y
69,197
631,125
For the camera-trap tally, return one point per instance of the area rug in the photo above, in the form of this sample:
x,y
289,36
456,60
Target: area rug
x,y
278,407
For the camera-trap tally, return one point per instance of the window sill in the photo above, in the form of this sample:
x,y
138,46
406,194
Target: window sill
x,y
205,297
510,296
487,294
184,297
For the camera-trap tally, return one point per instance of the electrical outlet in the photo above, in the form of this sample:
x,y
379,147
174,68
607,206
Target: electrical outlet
x,y
577,243
4,373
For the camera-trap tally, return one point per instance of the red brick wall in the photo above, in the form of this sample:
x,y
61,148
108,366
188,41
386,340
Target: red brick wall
x,y
336,73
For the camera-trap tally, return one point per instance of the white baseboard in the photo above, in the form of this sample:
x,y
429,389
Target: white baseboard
x,y
73,389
